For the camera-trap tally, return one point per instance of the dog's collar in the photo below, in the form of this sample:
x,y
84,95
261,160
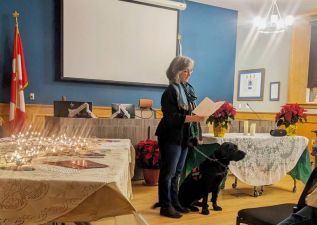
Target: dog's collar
x,y
224,173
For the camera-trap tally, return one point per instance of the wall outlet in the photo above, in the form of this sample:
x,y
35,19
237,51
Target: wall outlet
x,y
32,96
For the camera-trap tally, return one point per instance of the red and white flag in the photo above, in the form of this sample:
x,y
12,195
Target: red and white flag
x,y
19,82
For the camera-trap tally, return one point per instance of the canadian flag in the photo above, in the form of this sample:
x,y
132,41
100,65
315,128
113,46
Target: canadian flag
x,y
19,82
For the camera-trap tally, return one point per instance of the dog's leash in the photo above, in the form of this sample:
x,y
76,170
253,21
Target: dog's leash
x,y
210,159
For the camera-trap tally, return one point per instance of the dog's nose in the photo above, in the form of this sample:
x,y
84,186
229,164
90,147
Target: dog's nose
x,y
239,155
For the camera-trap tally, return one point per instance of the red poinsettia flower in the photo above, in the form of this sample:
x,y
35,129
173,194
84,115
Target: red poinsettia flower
x,y
148,154
223,115
290,114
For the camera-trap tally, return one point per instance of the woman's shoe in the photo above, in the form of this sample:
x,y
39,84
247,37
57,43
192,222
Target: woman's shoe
x,y
170,212
181,209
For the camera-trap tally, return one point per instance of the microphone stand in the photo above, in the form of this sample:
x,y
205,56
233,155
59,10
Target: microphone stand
x,y
257,116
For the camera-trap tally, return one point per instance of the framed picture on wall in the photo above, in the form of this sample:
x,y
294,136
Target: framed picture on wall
x,y
251,85
275,91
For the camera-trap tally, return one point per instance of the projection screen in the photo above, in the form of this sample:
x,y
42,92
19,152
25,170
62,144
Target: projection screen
x,y
116,41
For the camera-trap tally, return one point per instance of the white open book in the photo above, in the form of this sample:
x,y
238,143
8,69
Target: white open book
x,y
207,107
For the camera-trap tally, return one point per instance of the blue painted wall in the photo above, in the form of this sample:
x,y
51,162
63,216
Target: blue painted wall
x,y
209,37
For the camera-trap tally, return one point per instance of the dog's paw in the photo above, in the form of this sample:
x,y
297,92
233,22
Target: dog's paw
x,y
200,204
205,211
193,208
216,207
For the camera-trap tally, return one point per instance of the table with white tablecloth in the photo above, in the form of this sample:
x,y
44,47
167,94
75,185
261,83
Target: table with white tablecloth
x,y
268,158
54,193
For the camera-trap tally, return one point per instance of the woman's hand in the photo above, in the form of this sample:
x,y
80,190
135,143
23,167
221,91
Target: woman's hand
x,y
194,118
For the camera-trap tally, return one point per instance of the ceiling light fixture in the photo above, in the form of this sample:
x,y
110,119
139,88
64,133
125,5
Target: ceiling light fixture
x,y
273,21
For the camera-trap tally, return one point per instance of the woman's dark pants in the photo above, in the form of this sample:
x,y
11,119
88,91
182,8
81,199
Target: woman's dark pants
x,y
173,158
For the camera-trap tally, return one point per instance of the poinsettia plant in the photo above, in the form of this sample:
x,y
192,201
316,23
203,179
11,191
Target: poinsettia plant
x,y
148,154
290,114
223,116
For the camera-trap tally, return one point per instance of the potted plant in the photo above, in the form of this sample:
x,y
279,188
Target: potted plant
x,y
221,118
289,115
148,158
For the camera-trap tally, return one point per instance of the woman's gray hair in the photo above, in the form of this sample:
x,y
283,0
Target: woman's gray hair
x,y
178,65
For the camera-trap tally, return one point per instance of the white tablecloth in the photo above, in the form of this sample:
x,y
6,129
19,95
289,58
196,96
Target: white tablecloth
x,y
268,158
53,193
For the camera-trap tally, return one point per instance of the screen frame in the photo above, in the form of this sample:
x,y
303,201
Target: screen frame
x,y
113,82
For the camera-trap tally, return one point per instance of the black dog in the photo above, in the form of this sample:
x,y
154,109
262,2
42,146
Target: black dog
x,y
207,178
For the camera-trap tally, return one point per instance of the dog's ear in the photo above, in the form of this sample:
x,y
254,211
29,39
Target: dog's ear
x,y
226,150
224,146
230,151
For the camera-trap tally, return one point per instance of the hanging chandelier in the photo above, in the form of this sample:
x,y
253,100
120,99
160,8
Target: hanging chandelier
x,y
273,22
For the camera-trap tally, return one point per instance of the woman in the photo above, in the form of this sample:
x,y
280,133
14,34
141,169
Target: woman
x,y
177,129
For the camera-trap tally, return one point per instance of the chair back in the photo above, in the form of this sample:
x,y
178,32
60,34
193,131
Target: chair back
x,y
312,181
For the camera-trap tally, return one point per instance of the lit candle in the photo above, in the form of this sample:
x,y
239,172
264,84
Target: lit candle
x,y
246,127
252,129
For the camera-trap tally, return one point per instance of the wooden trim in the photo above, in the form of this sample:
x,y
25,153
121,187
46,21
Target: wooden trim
x,y
255,116
36,114
309,106
41,110
48,110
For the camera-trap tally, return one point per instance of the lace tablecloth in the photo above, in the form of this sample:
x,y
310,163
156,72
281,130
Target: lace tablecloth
x,y
268,158
52,193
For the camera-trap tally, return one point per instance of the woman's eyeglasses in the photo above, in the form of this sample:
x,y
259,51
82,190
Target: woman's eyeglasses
x,y
188,71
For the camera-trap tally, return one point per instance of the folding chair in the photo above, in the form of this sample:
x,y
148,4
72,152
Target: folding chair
x,y
272,215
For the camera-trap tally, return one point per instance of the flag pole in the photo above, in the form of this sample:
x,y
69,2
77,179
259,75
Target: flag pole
x,y
16,14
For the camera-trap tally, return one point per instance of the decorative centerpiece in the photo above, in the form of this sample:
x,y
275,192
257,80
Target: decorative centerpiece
x,y
221,118
289,115
148,158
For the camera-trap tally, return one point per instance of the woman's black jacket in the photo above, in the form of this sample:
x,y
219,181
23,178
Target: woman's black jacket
x,y
172,128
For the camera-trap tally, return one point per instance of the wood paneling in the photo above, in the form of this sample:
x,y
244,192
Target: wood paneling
x,y
36,113
299,60
133,129
36,116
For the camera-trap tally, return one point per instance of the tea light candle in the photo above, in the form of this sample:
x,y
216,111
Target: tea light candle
x,y
246,127
252,129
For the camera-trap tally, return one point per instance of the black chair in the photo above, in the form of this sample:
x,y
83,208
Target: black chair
x,y
272,215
